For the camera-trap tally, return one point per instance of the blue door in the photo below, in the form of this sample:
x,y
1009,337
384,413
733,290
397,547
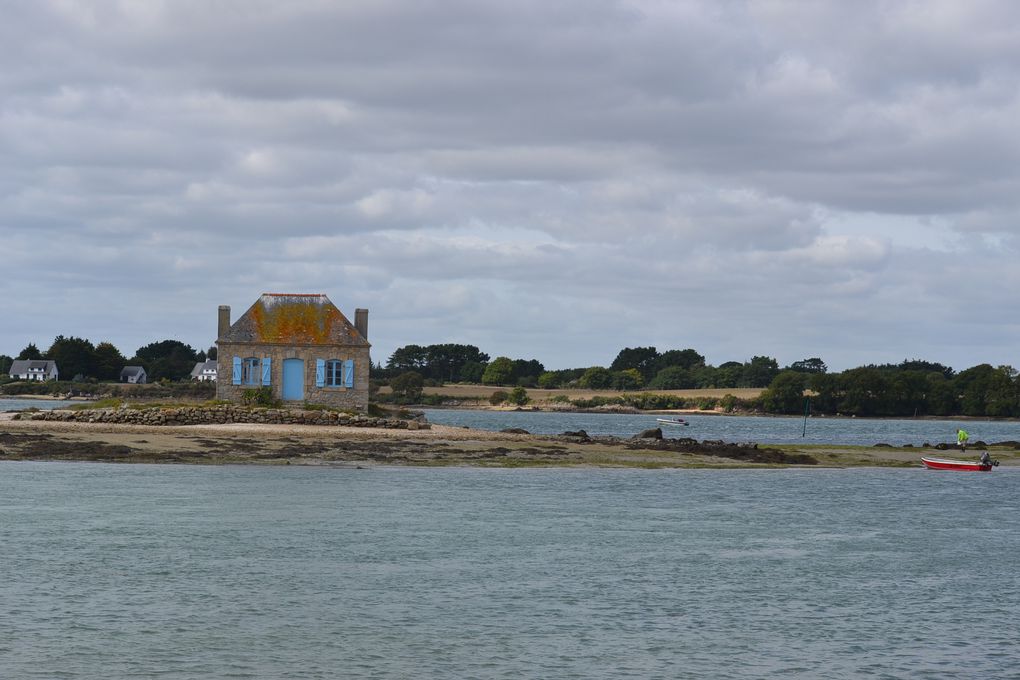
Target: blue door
x,y
293,379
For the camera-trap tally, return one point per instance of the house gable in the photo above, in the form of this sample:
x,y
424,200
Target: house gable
x,y
301,347
293,319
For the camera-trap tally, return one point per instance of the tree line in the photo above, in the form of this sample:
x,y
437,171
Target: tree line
x,y
911,388
914,387
77,358
633,368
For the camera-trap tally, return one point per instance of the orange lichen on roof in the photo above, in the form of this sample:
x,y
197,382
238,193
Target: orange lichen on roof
x,y
296,321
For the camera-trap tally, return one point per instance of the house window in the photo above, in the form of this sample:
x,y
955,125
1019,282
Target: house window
x,y
334,373
250,372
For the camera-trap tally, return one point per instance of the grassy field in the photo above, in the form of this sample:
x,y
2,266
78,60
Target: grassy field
x,y
540,395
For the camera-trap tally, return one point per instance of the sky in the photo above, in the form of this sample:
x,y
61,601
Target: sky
x,y
545,180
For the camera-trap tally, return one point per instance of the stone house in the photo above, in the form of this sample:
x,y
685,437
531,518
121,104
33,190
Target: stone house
x,y
300,346
34,369
134,374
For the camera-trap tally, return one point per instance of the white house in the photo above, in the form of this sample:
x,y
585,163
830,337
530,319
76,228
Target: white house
x,y
204,371
133,375
34,369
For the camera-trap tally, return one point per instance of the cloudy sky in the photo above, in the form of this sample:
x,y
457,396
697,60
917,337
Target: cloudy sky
x,y
549,180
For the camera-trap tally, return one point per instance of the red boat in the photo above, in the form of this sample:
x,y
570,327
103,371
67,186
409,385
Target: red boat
x,y
949,464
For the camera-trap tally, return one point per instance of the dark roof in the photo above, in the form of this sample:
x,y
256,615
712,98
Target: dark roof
x,y
131,370
19,366
209,364
288,319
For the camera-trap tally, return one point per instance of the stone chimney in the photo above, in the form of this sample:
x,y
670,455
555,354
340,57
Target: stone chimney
x,y
361,322
224,324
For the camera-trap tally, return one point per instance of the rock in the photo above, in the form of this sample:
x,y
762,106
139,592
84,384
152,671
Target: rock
x,y
516,430
654,433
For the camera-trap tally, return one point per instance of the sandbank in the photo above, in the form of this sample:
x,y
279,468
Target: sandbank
x,y
439,446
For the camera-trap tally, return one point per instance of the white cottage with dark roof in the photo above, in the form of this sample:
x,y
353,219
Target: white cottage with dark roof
x,y
134,374
34,369
300,346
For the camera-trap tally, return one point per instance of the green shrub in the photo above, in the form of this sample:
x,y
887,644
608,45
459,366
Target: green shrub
x,y
498,397
260,396
519,396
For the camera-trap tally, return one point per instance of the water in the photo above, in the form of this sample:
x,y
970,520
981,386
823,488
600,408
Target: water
x,y
765,430
138,571
15,404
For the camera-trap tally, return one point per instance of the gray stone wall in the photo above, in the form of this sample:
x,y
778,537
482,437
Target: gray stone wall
x,y
347,398
221,415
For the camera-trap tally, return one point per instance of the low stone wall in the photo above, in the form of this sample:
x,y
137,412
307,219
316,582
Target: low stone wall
x,y
222,415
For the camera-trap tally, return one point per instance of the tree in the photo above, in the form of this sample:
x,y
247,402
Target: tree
x,y
1002,397
672,378
408,358
628,379
641,358
526,372
109,362
973,386
597,378
472,372
5,365
729,374
408,386
812,365
684,358
74,356
926,366
499,372
759,372
549,380
30,352
519,396
170,359
785,394
211,353
445,362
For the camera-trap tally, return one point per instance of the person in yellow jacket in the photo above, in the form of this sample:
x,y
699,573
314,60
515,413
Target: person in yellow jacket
x,y
961,439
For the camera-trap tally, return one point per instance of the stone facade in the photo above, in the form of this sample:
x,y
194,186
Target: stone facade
x,y
348,398
296,335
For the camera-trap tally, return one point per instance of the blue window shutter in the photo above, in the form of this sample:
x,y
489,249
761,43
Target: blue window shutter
x,y
267,370
349,373
320,372
237,371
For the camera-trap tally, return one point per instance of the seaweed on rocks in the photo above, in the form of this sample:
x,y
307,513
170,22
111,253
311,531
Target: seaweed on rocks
x,y
746,452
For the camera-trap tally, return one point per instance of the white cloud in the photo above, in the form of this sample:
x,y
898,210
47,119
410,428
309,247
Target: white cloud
x,y
544,180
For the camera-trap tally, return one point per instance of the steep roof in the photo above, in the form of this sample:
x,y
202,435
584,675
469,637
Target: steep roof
x,y
128,371
293,319
19,366
201,366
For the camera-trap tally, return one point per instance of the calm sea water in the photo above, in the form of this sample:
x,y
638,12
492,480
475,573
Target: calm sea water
x,y
138,571
854,431
14,404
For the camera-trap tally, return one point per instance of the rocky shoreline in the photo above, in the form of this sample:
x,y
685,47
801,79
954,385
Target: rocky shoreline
x,y
228,434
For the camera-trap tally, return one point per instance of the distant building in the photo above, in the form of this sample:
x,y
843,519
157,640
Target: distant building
x,y
133,375
204,371
301,346
34,369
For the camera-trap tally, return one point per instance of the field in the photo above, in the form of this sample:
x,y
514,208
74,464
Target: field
x,y
540,395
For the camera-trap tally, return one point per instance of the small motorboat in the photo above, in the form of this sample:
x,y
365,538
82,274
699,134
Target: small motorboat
x,y
672,421
962,465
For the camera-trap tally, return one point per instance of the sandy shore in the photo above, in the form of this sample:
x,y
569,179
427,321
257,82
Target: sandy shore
x,y
441,445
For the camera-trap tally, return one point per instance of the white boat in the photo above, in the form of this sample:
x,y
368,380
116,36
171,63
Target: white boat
x,y
672,421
